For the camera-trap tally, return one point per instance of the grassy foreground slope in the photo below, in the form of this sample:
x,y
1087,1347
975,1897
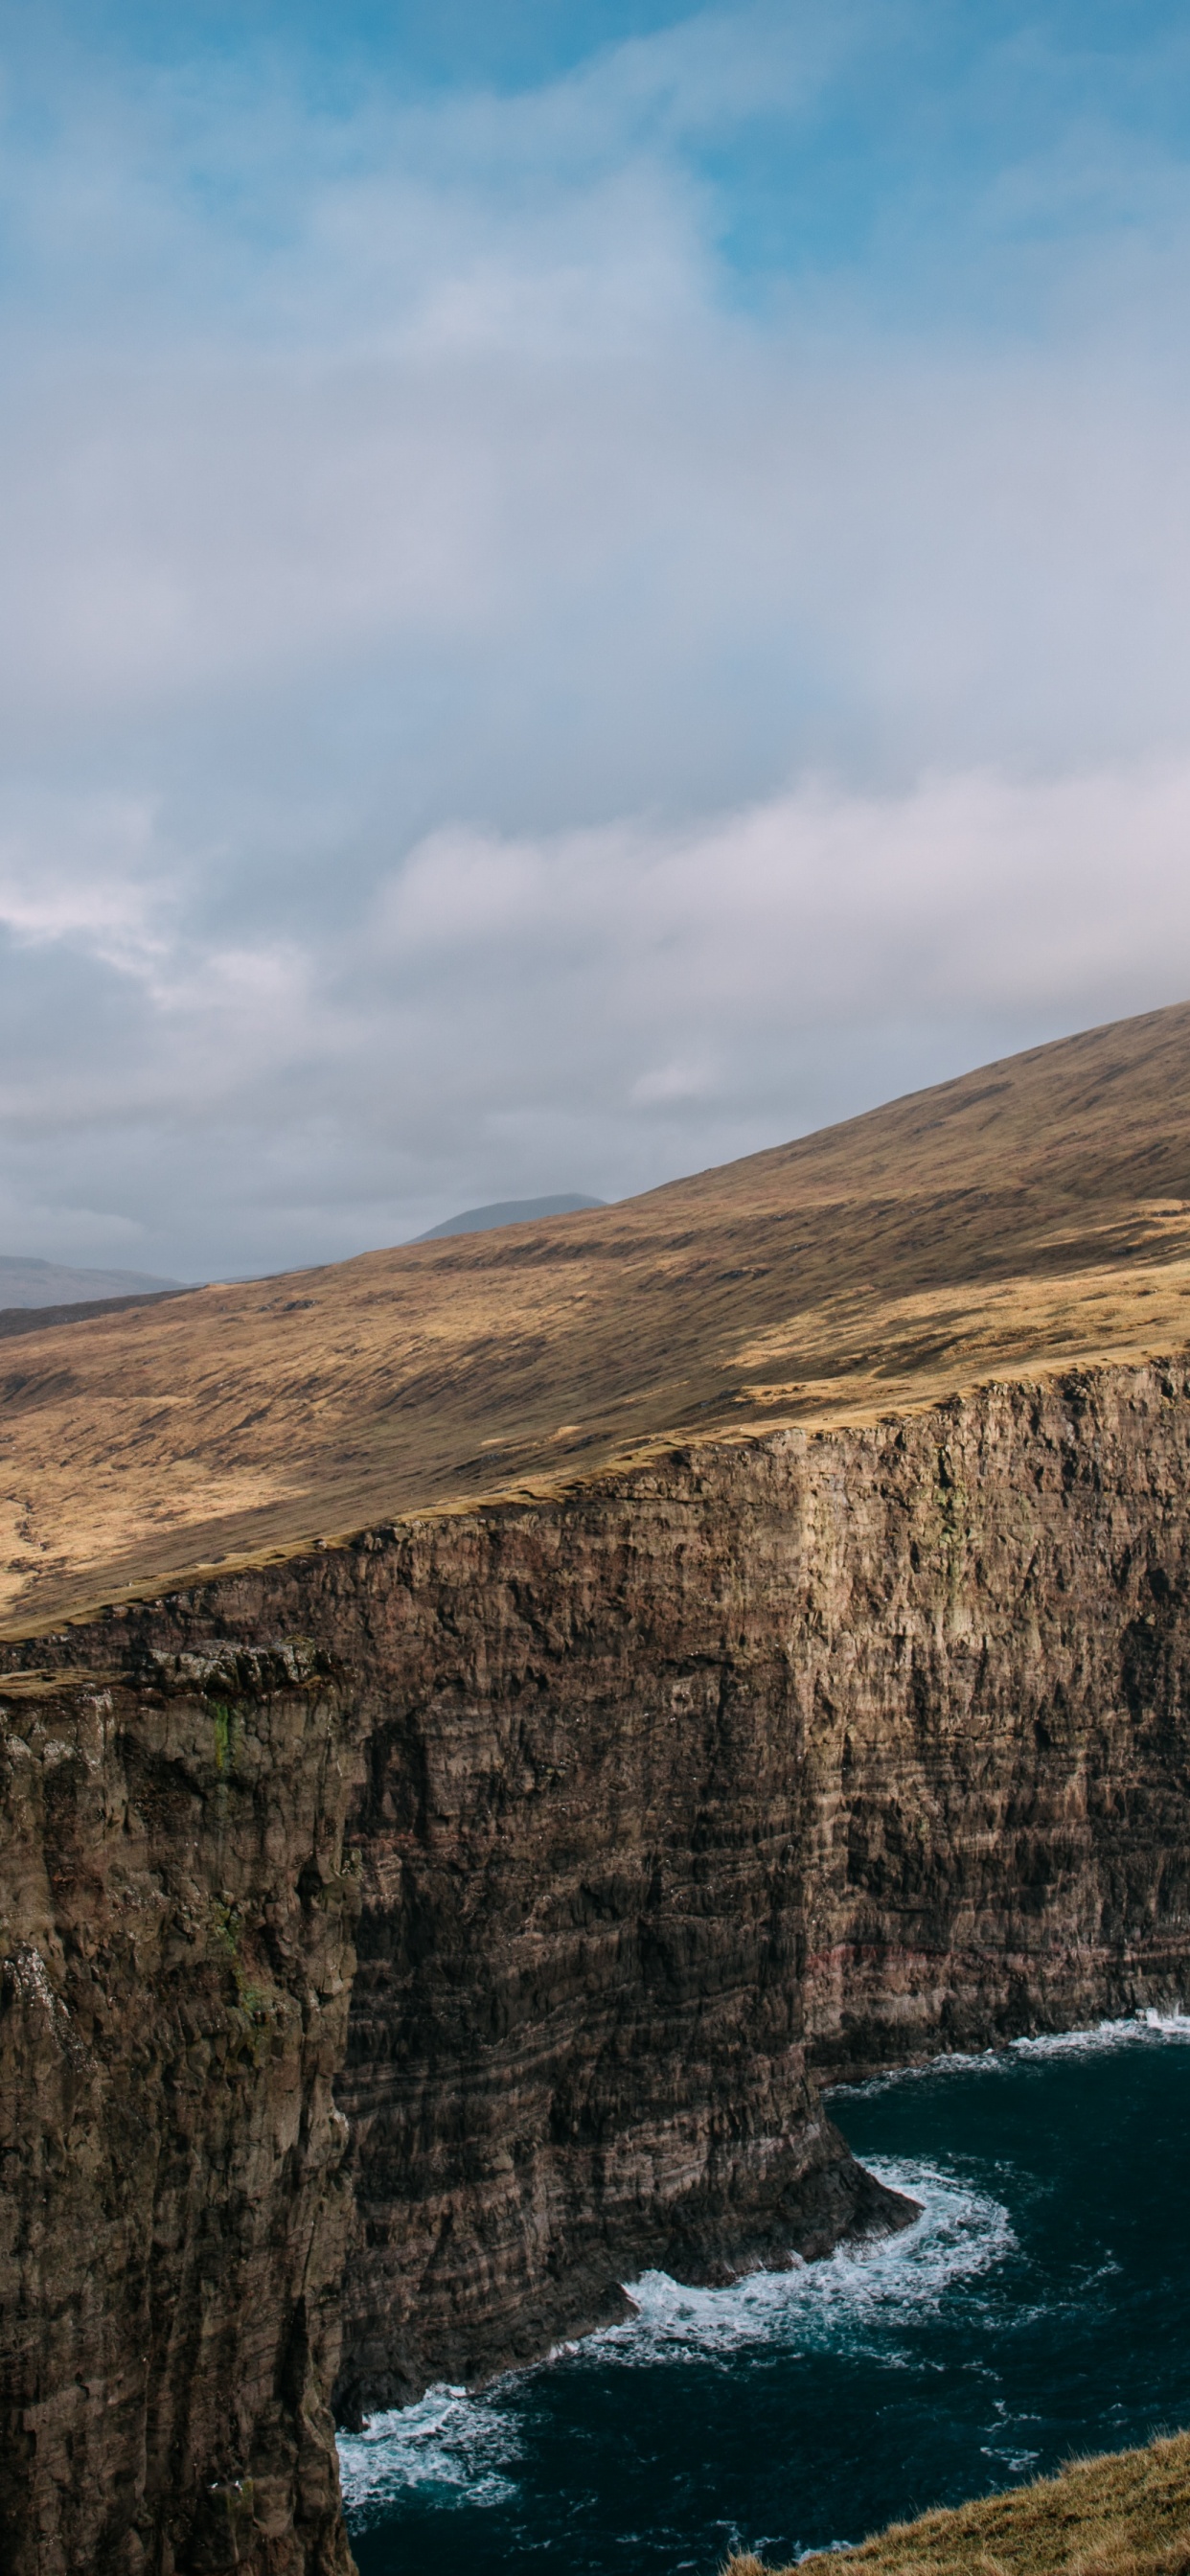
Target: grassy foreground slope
x,y
1030,1215
1127,2514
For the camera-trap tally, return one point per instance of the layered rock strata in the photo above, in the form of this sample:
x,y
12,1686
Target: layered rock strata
x,y
783,1758
174,2205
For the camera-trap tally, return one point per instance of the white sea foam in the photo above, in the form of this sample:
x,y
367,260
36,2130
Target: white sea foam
x,y
862,2301
859,2300
856,2300
1143,2027
449,2441
1150,2028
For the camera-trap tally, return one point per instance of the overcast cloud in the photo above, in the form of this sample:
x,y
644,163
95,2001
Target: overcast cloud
x,y
560,627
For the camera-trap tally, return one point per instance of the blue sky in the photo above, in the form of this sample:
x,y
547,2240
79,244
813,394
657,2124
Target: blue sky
x,y
587,588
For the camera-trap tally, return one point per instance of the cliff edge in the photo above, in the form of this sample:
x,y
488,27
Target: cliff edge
x,y
410,1937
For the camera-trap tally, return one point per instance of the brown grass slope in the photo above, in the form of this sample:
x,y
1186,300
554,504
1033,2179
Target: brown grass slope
x,y
1127,2514
1030,1215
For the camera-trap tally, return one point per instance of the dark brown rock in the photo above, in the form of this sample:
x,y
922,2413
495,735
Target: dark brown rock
x,y
786,1757
174,2203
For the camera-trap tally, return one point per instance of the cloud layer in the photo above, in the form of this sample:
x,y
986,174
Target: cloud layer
x,y
619,1001
551,634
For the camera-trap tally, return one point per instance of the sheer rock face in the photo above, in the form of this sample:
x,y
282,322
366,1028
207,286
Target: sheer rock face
x,y
807,1755
177,1939
798,1756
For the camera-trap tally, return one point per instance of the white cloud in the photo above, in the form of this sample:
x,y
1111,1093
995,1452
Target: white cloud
x,y
82,870
608,1006
669,958
493,708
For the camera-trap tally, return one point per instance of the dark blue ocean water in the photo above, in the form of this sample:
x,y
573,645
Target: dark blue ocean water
x,y
1040,2305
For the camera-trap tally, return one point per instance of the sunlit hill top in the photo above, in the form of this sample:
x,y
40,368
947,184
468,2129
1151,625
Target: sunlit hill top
x,y
1030,1215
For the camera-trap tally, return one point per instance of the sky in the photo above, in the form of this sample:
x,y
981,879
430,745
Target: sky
x,y
583,589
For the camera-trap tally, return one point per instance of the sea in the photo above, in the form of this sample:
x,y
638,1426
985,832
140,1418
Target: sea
x,y
1038,2308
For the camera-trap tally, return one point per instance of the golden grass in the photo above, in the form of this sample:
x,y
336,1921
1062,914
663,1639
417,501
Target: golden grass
x,y
1127,2514
1030,1216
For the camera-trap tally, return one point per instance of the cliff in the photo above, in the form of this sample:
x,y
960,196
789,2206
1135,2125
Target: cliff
x,y
177,1921
764,1759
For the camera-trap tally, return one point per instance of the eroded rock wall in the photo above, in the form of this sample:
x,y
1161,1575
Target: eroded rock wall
x,y
809,1755
174,2205
770,1761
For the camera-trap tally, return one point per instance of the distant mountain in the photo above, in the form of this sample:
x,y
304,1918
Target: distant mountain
x,y
507,1212
25,1282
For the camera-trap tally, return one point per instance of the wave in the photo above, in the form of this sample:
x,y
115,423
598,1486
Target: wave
x,y
1139,2027
853,2301
859,2300
1149,2028
448,2442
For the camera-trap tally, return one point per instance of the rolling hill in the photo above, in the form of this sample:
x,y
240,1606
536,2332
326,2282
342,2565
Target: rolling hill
x,y
1030,1215
25,1281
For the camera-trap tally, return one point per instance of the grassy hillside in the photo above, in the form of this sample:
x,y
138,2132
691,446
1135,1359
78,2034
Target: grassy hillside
x,y
1032,1214
1125,2515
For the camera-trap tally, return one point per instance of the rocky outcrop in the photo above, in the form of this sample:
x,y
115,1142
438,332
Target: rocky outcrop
x,y
772,1760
